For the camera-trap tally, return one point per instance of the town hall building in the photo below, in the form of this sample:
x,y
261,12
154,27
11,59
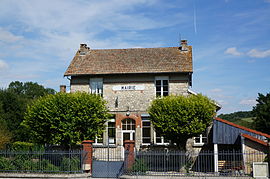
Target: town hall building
x,y
129,80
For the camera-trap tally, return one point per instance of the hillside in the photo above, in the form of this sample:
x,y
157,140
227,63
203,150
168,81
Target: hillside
x,y
243,118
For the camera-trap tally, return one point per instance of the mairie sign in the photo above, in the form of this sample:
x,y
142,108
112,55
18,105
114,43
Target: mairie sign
x,y
128,87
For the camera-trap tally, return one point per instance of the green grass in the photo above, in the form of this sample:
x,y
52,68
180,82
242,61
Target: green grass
x,y
246,122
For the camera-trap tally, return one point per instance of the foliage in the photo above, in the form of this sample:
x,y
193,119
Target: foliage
x,y
178,118
233,117
140,166
22,146
70,164
66,118
262,113
13,102
29,89
5,135
6,164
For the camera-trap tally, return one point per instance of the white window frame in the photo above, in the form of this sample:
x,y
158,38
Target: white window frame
x,y
96,141
147,120
200,143
162,140
161,78
96,90
111,120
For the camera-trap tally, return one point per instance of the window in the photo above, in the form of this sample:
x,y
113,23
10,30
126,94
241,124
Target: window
x,y
99,140
146,131
128,124
160,140
96,86
111,132
162,86
201,140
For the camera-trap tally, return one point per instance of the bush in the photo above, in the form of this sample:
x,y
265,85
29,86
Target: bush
x,y
140,166
70,164
6,164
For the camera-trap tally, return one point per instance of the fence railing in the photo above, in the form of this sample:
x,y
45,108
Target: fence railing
x,y
42,161
179,163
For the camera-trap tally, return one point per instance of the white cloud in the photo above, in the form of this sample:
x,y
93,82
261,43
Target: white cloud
x,y
233,51
8,37
258,54
250,102
3,65
216,90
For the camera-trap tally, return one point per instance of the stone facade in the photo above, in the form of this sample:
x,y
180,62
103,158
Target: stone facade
x,y
128,96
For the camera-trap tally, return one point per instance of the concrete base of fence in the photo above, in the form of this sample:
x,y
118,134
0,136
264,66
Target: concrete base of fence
x,y
37,175
175,177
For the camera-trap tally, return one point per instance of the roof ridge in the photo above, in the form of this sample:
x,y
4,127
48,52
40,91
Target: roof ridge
x,y
242,127
132,48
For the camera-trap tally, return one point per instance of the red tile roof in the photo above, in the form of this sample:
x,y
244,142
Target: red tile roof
x,y
254,139
242,127
134,60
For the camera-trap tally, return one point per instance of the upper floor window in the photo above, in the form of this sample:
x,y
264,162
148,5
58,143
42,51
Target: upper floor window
x,y
162,86
96,86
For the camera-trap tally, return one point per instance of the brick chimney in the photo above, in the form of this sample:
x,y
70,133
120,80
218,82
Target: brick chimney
x,y
83,49
63,88
184,46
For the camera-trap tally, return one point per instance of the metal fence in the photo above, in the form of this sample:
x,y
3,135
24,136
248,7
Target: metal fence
x,y
179,163
42,161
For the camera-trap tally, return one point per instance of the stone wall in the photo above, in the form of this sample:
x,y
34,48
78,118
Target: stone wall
x,y
134,100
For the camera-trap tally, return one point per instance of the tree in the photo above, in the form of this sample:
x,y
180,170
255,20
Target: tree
x,y
29,90
13,102
262,113
178,118
66,118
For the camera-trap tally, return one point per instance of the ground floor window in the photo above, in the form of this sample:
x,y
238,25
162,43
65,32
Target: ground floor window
x,y
160,140
146,132
111,132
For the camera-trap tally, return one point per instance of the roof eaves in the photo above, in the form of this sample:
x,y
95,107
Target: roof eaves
x,y
254,139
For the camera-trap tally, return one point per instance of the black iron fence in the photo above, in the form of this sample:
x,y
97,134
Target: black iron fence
x,y
180,163
42,161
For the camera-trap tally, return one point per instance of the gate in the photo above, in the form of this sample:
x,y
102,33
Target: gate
x,y
108,162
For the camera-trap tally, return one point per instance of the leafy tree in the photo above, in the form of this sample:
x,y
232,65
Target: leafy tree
x,y
262,113
66,119
236,115
29,89
13,102
178,118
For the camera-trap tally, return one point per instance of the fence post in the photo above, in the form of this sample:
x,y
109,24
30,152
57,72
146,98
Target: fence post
x,y
88,156
130,147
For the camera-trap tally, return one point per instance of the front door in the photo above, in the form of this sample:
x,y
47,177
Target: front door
x,y
128,135
128,129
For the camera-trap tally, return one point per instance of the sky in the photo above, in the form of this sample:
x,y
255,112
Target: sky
x,y
230,40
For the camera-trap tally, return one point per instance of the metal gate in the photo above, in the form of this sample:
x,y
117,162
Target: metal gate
x,y
108,162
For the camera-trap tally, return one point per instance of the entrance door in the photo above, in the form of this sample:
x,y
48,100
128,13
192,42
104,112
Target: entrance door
x,y
128,129
128,135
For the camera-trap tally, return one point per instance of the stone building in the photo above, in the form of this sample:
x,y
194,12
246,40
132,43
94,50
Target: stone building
x,y
129,79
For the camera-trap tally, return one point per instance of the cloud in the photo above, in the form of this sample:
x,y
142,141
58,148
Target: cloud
x,y
250,102
216,90
8,37
258,54
233,51
268,1
3,65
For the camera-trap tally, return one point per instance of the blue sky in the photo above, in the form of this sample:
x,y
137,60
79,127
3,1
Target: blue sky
x,y
230,39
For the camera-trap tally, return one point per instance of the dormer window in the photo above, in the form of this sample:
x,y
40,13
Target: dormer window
x,y
96,86
162,86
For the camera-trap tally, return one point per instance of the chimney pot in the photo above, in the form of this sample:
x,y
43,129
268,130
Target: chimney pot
x,y
184,46
63,88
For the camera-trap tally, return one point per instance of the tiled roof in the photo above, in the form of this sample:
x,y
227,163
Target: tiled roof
x,y
134,60
254,139
242,127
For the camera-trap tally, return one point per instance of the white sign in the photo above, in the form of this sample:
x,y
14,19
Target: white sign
x,y
128,87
